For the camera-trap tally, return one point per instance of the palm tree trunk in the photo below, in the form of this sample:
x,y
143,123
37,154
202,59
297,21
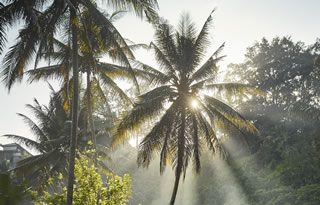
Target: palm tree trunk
x,y
175,188
181,142
75,103
90,112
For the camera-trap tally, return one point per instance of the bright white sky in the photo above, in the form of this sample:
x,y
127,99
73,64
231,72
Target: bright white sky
x,y
239,23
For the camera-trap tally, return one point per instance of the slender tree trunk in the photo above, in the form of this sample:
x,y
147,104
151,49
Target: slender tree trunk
x,y
181,142
75,103
89,108
175,188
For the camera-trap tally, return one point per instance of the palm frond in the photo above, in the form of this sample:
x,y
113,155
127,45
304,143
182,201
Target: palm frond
x,y
147,106
114,87
153,75
132,46
35,129
226,116
162,59
165,40
140,7
3,38
186,28
48,124
303,110
109,31
39,112
99,91
60,52
165,151
14,11
202,41
49,72
158,138
19,55
26,141
38,168
196,144
116,15
209,69
235,88
201,84
211,139
113,71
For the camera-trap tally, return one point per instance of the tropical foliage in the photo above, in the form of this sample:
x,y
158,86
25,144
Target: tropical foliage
x,y
40,26
185,115
89,186
100,76
52,133
285,167
10,192
51,130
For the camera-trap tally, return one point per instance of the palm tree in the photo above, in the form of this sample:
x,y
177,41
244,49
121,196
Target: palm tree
x,y
51,130
181,85
97,73
40,29
52,133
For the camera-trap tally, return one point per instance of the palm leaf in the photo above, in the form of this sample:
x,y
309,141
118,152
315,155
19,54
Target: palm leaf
x,y
26,141
210,136
48,72
196,144
35,129
3,38
229,113
165,39
113,71
140,7
235,88
158,137
153,75
19,56
202,41
114,87
162,59
209,69
148,105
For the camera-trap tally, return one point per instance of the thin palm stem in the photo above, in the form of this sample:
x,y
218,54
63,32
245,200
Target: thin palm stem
x,y
90,112
181,142
75,102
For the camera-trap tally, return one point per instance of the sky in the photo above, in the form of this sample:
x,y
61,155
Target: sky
x,y
238,23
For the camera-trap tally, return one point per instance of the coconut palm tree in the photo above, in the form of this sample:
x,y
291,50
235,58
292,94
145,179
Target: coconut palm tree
x,y
185,112
52,138
51,130
39,31
98,74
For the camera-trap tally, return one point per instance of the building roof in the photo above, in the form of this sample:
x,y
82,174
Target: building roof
x,y
3,146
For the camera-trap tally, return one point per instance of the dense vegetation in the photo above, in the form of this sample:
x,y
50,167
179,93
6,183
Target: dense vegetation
x,y
253,139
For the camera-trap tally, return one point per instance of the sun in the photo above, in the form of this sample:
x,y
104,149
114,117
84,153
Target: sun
x,y
194,103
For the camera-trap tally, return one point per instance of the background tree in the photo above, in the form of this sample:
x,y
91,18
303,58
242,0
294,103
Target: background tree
x,y
287,119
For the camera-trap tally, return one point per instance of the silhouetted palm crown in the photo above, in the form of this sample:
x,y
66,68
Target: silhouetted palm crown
x,y
181,82
51,130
